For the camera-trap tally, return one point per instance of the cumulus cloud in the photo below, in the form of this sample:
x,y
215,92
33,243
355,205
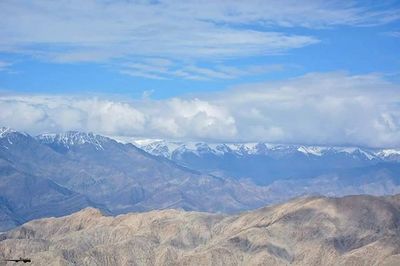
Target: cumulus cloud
x,y
333,108
192,118
177,118
317,108
55,113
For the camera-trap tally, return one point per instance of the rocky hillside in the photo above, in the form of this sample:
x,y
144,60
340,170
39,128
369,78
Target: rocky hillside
x,y
353,230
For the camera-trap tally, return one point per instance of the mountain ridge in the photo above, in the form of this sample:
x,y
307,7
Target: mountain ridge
x,y
167,148
124,178
352,230
265,163
121,177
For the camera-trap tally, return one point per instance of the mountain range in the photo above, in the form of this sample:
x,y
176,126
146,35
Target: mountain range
x,y
58,174
61,173
288,171
265,163
353,230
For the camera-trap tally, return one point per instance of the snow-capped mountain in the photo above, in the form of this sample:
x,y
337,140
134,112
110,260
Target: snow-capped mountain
x,y
9,134
75,169
171,149
70,139
264,163
4,131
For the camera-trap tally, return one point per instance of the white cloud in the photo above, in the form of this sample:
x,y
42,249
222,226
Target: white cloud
x,y
55,113
4,65
292,13
155,68
169,39
71,31
174,118
332,108
318,108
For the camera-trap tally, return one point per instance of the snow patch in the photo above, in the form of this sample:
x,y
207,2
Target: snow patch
x,y
388,152
173,148
72,138
317,151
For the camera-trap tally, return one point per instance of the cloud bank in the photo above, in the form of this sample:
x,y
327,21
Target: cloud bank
x,y
318,108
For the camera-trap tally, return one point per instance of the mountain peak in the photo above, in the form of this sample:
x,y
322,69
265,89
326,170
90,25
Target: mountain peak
x,y
90,212
5,130
10,135
172,149
73,138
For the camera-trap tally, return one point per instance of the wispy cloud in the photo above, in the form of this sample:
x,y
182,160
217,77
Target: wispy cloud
x,y
71,31
395,34
186,34
4,65
318,108
156,68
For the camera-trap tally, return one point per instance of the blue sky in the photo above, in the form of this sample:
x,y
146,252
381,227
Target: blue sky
x,y
133,52
354,49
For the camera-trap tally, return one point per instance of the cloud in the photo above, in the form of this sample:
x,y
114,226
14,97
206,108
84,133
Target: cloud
x,y
318,108
330,108
289,13
395,34
75,31
174,117
173,39
156,68
55,113
4,65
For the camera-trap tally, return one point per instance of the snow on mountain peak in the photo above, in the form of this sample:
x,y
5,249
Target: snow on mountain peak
x,y
169,149
243,148
173,148
10,134
4,131
314,150
388,152
71,138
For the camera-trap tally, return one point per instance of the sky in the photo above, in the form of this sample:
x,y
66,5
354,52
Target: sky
x,y
306,72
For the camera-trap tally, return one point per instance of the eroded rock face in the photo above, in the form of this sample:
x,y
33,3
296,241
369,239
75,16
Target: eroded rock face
x,y
353,230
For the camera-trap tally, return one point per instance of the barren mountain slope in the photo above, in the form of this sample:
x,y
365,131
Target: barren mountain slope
x,y
24,197
354,230
122,178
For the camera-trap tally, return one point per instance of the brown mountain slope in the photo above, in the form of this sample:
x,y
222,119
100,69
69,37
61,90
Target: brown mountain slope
x,y
353,230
